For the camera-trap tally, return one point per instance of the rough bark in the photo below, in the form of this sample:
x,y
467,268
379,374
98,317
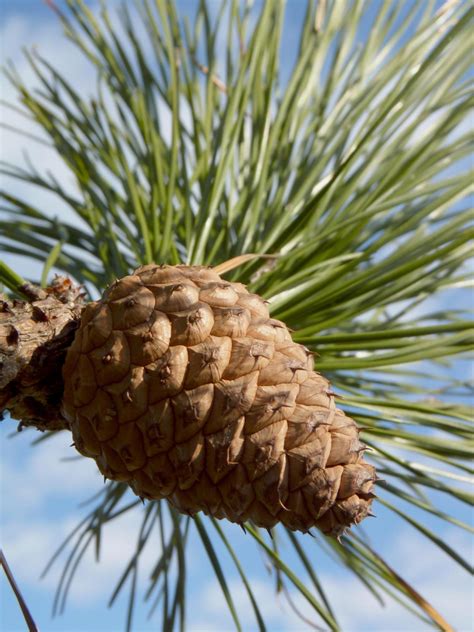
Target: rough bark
x,y
34,338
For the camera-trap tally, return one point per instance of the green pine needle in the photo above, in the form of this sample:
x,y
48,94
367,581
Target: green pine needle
x,y
197,147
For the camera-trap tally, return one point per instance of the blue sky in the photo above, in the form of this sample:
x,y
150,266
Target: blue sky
x,y
40,491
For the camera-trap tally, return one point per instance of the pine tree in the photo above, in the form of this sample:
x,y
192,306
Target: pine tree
x,y
338,193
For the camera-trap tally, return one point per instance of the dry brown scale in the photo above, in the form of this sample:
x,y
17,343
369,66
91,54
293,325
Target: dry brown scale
x,y
180,384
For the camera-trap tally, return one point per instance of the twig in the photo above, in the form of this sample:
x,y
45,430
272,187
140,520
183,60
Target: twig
x,y
320,13
51,5
215,80
433,614
235,262
449,4
32,627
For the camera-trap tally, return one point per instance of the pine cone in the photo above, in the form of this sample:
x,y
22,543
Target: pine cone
x,y
180,384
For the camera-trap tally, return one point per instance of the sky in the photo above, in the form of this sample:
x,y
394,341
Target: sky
x,y
41,487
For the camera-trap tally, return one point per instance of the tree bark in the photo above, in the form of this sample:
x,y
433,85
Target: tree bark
x,y
34,338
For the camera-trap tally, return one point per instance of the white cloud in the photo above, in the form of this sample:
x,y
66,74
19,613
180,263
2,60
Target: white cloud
x,y
428,570
29,547
40,492
43,510
44,475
